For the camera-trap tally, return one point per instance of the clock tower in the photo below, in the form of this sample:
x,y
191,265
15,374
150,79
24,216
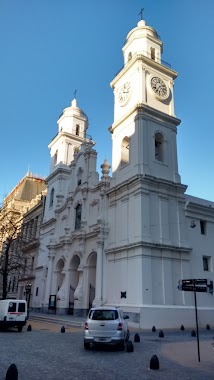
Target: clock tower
x,y
145,126
148,247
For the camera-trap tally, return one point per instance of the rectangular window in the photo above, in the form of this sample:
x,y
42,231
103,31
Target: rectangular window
x,y
78,217
103,315
203,227
37,291
21,307
12,307
32,263
207,265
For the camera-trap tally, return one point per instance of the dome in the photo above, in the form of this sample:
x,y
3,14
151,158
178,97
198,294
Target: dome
x,y
74,110
141,30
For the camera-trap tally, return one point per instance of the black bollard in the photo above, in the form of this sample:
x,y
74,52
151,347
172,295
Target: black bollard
x,y
182,327
62,329
161,334
130,346
12,373
154,362
193,333
29,328
153,329
137,338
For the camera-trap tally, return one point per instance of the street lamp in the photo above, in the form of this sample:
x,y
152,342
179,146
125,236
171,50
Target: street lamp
x,y
28,294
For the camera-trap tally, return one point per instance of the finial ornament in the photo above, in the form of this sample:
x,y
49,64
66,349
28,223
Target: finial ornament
x,y
141,13
75,93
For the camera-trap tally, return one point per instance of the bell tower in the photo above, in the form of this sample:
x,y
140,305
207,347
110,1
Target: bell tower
x,y
144,128
72,126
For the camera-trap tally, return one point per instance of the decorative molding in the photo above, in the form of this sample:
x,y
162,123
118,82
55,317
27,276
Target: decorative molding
x,y
94,202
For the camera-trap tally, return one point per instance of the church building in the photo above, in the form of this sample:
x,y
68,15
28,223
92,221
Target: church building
x,y
126,239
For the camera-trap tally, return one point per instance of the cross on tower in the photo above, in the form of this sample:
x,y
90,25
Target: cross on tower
x,y
75,92
141,13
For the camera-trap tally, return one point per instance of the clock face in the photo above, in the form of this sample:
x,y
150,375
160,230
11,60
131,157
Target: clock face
x,y
159,87
124,93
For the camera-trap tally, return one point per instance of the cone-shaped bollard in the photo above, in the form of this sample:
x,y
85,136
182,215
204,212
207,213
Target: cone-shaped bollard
x,y
193,333
137,338
161,334
182,327
208,327
154,362
130,346
29,328
62,329
153,329
12,373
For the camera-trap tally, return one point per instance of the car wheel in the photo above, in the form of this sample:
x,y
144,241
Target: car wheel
x,y
20,328
87,346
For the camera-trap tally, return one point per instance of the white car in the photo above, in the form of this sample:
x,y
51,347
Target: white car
x,y
106,325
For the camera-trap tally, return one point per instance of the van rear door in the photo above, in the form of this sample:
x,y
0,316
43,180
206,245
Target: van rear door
x,y
21,311
11,311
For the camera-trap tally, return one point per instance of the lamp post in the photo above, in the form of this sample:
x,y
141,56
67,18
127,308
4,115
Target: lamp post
x,y
28,294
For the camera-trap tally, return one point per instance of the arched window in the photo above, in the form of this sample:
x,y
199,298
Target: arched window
x,y
78,216
51,198
159,147
77,129
125,151
153,53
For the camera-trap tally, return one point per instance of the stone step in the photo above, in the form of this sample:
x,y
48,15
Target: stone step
x,y
57,320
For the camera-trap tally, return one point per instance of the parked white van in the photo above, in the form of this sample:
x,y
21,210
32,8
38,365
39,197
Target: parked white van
x,y
13,313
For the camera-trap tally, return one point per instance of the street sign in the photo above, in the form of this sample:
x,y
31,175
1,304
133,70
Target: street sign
x,y
201,281
191,288
202,285
196,285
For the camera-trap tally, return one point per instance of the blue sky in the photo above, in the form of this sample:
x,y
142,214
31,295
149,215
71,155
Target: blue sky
x,y
50,48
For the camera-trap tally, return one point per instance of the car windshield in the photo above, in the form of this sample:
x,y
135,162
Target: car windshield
x,y
103,315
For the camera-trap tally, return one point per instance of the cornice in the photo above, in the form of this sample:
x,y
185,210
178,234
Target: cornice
x,y
148,61
196,210
144,111
147,180
50,222
142,243
30,245
59,170
64,134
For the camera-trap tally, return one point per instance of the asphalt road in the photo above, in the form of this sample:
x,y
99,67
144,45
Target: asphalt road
x,y
47,354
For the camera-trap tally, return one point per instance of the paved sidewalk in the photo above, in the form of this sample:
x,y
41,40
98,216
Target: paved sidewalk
x,y
65,319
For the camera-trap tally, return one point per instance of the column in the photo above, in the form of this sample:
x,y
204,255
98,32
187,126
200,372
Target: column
x,y
99,274
49,278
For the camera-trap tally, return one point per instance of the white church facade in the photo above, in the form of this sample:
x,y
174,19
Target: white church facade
x,y
126,239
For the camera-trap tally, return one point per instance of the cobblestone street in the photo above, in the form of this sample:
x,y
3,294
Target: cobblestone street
x,y
46,353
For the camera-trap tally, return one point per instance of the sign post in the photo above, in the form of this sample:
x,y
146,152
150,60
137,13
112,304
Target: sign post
x,y
196,285
196,318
